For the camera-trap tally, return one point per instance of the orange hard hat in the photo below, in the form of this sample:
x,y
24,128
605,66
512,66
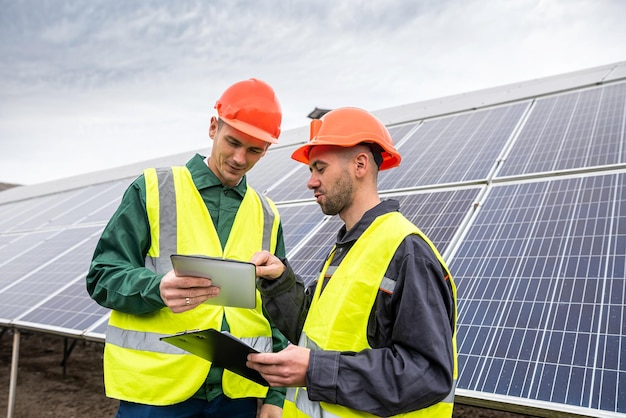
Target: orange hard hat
x,y
347,127
251,106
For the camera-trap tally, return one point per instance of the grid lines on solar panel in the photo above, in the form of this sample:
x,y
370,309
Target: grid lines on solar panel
x,y
531,274
16,214
298,222
454,149
437,214
294,187
398,133
45,269
307,262
21,246
271,168
55,205
575,130
100,329
97,204
72,309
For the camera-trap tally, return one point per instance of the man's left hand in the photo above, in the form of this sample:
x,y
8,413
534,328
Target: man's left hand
x,y
285,368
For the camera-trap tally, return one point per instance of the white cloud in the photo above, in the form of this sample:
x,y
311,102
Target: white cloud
x,y
110,82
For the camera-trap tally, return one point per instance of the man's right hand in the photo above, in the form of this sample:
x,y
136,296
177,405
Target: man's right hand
x,y
268,266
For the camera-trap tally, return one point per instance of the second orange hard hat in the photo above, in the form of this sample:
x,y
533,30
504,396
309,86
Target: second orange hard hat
x,y
251,106
347,127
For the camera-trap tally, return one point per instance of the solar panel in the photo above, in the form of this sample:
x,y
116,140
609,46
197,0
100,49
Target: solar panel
x,y
99,330
270,169
438,214
17,246
307,262
526,200
19,213
294,186
96,204
540,277
398,132
55,205
36,274
578,129
298,222
453,149
71,309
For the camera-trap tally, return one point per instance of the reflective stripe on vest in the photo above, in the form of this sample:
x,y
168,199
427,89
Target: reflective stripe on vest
x,y
355,283
150,341
167,222
138,366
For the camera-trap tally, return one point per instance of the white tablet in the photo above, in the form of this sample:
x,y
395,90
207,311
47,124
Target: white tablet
x,y
236,279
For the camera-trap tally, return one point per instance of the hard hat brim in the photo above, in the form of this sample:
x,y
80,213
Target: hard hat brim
x,y
301,154
251,130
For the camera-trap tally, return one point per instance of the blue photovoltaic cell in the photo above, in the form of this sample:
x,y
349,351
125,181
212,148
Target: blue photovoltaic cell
x,y
97,204
271,168
294,187
453,149
44,270
72,309
100,329
398,133
298,222
16,255
579,129
540,266
307,262
14,214
540,279
11,211
47,208
272,174
437,214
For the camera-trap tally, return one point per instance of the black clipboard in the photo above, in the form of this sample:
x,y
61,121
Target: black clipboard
x,y
220,348
236,279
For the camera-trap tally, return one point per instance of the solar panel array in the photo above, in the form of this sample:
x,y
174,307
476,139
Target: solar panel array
x,y
525,200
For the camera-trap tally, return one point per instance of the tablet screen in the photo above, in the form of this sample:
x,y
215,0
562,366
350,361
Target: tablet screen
x,y
236,279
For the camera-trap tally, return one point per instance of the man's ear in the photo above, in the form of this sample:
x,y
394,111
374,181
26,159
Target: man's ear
x,y
213,127
361,162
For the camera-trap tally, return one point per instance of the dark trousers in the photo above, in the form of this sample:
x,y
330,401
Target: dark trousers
x,y
219,407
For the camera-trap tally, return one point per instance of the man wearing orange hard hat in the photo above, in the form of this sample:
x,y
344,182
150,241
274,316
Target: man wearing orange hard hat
x,y
376,333
202,208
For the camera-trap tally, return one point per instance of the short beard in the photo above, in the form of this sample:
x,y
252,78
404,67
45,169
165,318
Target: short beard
x,y
341,197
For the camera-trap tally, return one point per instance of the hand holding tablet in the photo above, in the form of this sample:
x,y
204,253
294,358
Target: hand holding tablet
x,y
236,279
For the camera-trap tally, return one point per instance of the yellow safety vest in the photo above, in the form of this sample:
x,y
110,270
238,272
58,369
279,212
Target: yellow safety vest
x,y
140,368
352,291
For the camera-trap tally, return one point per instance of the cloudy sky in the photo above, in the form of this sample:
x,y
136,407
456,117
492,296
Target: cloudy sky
x,y
87,85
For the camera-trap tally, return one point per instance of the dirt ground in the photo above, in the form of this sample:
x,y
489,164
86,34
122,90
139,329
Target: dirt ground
x,y
44,391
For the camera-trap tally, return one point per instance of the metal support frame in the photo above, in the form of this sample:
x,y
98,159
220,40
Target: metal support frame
x,y
13,382
66,353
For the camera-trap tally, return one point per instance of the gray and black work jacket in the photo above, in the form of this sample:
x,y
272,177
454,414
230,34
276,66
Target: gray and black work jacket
x,y
410,365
